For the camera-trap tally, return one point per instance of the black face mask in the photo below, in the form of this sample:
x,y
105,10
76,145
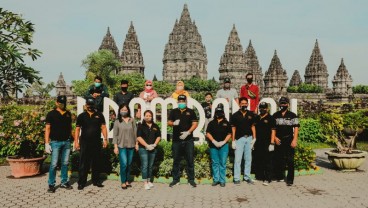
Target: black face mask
x,y
283,108
263,111
219,115
124,89
244,108
249,80
91,108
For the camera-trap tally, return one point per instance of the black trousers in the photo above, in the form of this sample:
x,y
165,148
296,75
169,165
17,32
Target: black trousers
x,y
90,154
284,156
262,161
180,149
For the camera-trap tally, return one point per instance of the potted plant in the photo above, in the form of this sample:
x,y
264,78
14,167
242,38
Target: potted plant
x,y
346,129
22,139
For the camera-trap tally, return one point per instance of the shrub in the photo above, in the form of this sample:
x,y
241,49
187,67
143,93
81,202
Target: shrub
x,y
305,88
304,157
310,130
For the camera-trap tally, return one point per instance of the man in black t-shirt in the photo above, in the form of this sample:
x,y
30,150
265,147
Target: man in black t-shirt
x,y
124,96
57,142
264,146
184,122
244,137
287,127
91,123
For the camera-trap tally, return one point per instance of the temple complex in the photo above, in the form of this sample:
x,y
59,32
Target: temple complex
x,y
295,80
316,70
185,55
275,79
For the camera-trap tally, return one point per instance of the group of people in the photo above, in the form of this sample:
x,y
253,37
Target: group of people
x,y
273,138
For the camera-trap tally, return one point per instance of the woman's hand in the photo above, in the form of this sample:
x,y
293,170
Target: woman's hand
x,y
116,150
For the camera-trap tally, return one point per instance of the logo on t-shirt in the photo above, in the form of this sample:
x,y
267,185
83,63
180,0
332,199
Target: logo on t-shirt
x,y
225,124
265,121
188,114
97,117
249,117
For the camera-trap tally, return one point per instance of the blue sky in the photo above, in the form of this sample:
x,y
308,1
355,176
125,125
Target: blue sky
x,y
67,31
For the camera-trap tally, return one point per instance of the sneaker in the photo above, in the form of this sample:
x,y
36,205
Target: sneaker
x,y
236,182
265,183
249,181
147,187
173,183
282,180
98,184
222,184
66,186
150,185
51,189
215,183
193,184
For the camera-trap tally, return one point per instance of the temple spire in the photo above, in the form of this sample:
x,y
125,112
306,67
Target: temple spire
x,y
108,43
342,81
295,80
252,62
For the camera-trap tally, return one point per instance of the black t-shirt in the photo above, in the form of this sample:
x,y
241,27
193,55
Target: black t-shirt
x,y
90,125
264,127
243,123
219,130
149,134
120,98
285,124
60,125
186,117
207,109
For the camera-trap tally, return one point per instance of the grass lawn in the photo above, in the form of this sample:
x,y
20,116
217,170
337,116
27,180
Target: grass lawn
x,y
317,145
362,145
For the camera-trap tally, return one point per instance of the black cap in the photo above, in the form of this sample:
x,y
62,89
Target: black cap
x,y
263,105
61,99
284,100
227,80
182,97
90,101
219,109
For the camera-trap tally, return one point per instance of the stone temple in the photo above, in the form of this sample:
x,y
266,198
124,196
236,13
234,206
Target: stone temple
x,y
295,80
108,43
275,79
316,70
184,56
342,81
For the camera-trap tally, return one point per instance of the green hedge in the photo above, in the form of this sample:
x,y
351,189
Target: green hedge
x,y
304,157
310,130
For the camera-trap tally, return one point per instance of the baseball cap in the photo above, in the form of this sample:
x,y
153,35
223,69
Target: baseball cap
x,y
90,101
61,99
227,80
182,97
284,100
263,105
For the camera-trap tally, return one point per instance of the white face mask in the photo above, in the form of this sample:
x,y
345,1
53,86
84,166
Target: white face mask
x,y
148,87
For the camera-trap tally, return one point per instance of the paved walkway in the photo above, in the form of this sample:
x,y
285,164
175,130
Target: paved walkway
x,y
330,189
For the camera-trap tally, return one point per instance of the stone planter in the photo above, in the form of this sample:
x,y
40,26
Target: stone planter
x,y
25,167
347,162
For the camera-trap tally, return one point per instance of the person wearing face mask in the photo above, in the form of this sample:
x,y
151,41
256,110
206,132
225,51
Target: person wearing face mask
x,y
124,140
57,142
123,97
244,137
228,93
251,92
179,90
207,106
264,146
97,91
184,122
148,94
287,127
90,125
219,132
149,136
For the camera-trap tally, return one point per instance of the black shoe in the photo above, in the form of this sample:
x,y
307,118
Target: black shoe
x,y
66,186
193,184
215,183
173,183
289,183
222,184
250,181
236,182
80,187
51,189
98,184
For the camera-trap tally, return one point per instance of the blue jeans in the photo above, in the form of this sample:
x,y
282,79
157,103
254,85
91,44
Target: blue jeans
x,y
63,148
243,147
219,158
147,159
125,158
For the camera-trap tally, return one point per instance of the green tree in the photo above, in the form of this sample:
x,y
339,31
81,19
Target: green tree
x,y
15,40
40,89
102,63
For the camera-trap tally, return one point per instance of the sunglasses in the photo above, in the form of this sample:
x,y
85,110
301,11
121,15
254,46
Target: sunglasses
x,y
148,85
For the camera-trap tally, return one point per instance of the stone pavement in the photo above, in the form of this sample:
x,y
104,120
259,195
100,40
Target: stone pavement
x,y
330,189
